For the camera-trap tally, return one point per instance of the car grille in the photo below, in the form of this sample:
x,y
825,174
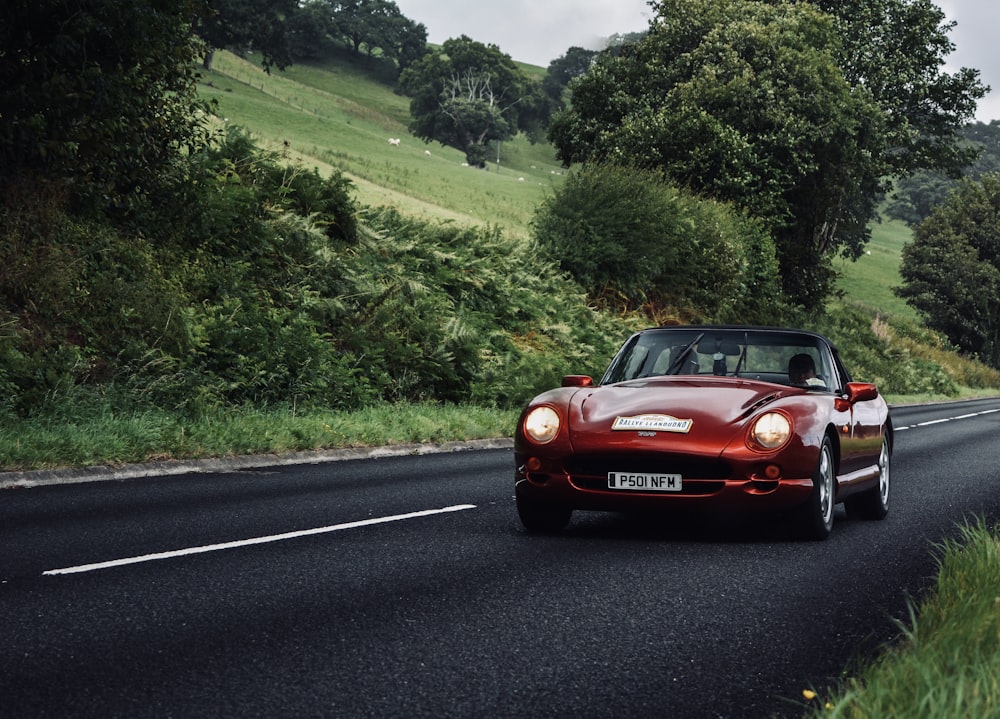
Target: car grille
x,y
701,476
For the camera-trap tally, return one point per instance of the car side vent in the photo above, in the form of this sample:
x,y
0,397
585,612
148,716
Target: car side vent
x,y
759,403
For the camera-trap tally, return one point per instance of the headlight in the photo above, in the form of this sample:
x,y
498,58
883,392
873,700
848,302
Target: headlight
x,y
771,430
542,424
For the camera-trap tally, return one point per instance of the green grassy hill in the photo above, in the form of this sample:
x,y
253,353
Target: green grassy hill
x,y
339,116
870,279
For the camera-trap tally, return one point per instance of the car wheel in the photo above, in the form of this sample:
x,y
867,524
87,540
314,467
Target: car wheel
x,y
874,503
816,516
542,518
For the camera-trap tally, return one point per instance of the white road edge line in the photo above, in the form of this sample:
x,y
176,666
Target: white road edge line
x,y
254,540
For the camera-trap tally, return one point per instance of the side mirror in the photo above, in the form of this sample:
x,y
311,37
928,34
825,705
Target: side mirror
x,y
577,380
857,392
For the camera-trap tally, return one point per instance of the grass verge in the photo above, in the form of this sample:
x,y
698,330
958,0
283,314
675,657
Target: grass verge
x,y
111,438
947,664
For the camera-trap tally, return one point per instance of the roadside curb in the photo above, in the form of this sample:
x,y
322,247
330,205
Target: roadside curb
x,y
101,473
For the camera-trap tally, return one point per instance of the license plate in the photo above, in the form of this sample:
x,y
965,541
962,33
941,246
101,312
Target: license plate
x,y
642,482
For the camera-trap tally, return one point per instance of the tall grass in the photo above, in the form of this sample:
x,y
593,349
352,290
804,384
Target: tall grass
x,y
947,664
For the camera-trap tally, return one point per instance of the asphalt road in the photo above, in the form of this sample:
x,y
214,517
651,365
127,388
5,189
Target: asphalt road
x,y
405,587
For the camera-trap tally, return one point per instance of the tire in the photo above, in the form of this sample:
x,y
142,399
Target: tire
x,y
542,518
816,516
874,503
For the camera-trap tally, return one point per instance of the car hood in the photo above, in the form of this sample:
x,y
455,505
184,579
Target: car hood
x,y
681,411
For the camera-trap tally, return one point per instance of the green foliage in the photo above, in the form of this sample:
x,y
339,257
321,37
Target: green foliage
x,y
319,27
743,102
632,240
469,96
917,196
951,270
243,25
574,63
459,313
254,282
897,50
99,94
899,358
778,108
78,294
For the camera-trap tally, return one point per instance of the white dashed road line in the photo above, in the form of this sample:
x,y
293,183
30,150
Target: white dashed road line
x,y
253,540
946,419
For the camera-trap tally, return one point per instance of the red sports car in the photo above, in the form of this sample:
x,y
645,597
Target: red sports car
x,y
727,417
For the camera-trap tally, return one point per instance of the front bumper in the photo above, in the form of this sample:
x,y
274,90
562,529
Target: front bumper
x,y
581,482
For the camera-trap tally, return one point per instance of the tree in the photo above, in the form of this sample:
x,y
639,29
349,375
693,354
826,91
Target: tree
x,y
311,31
243,25
100,94
410,42
741,101
916,196
376,26
469,95
951,269
574,63
896,49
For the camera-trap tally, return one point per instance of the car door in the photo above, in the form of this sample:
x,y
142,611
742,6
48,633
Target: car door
x,y
860,415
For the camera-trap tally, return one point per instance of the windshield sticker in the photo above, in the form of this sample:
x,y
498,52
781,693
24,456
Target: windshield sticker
x,y
653,423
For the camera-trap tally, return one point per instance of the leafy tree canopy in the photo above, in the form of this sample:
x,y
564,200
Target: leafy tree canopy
x,y
242,25
951,270
897,49
375,27
575,62
634,242
469,95
98,93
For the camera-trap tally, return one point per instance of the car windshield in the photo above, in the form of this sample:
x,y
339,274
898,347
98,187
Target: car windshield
x,y
781,357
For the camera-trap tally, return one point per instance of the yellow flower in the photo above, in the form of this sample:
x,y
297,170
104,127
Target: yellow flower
x,y
809,694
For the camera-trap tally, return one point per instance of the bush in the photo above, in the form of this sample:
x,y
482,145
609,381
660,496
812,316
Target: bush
x,y
633,241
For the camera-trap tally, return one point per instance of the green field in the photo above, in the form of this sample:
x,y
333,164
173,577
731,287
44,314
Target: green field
x,y
869,280
336,117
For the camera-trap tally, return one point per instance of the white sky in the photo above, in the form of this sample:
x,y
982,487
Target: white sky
x,y
539,31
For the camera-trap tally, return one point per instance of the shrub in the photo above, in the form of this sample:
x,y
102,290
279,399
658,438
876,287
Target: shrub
x,y
632,240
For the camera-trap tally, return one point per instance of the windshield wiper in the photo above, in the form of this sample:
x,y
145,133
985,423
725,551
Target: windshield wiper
x,y
676,364
743,355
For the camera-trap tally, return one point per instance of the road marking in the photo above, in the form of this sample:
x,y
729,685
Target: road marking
x,y
254,540
947,419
